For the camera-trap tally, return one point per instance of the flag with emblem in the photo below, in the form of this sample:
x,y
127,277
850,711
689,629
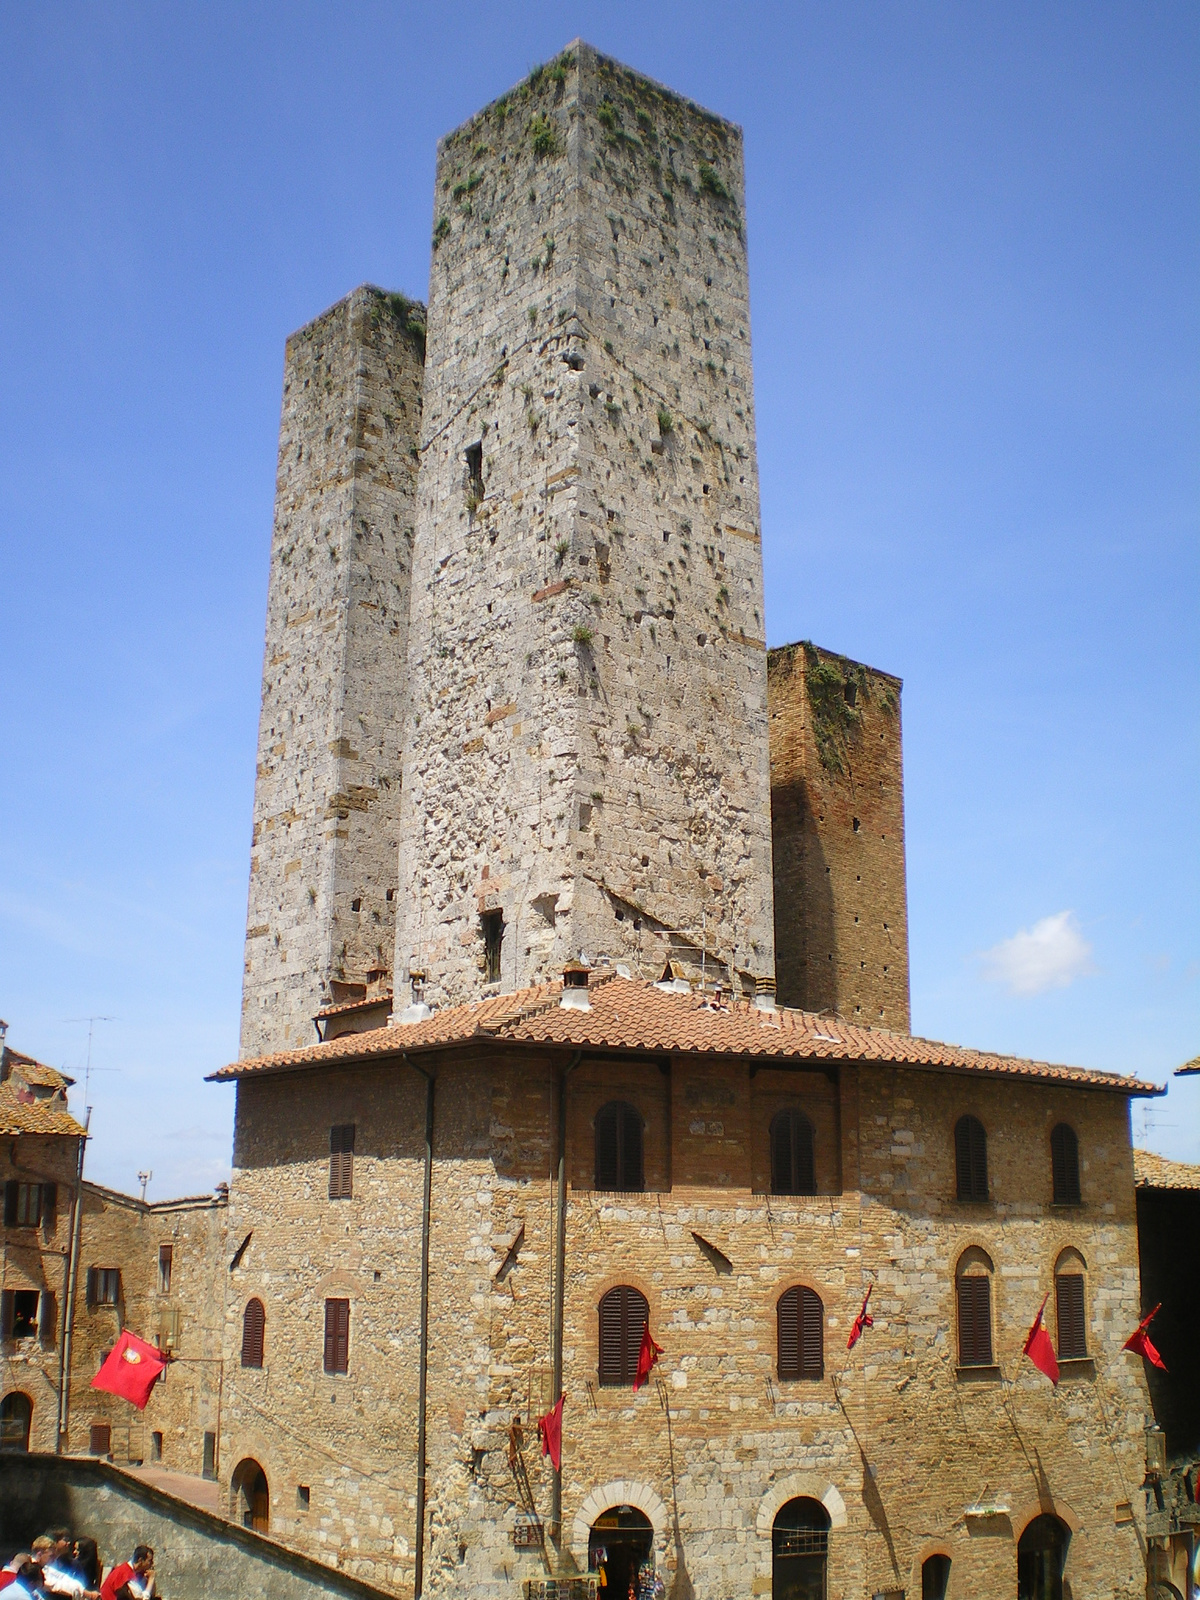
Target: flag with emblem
x,y
130,1370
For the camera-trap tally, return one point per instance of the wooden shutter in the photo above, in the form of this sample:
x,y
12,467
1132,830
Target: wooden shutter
x,y
1064,1165
1072,1319
631,1177
93,1287
624,1313
49,1206
803,1174
11,1189
970,1159
8,1302
607,1154
974,1321
47,1317
253,1325
812,1335
793,1169
781,1155
341,1162
788,1318
337,1336
100,1441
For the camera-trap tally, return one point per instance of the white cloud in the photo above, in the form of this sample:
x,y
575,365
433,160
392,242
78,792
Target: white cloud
x,y
1050,955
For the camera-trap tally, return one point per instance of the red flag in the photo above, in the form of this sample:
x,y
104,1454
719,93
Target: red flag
x,y
550,1433
130,1370
1139,1340
1038,1347
647,1358
861,1322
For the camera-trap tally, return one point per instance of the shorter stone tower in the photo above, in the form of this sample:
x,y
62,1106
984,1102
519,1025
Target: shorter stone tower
x,y
321,919
837,827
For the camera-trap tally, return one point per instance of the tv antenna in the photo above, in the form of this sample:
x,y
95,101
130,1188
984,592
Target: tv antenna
x,y
87,1071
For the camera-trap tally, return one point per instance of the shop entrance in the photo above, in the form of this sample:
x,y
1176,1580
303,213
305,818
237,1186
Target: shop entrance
x,y
620,1541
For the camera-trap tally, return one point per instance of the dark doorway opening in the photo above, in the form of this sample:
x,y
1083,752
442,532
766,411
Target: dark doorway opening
x,y
800,1551
621,1541
1041,1556
251,1496
935,1577
16,1416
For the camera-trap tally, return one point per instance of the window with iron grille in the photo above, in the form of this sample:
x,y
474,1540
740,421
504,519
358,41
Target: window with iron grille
x,y
793,1170
1072,1317
619,1148
974,1320
341,1161
624,1314
1064,1165
970,1159
801,1325
337,1336
254,1321
492,925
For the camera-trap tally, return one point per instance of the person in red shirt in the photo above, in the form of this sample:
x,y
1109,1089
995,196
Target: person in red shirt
x,y
131,1580
8,1573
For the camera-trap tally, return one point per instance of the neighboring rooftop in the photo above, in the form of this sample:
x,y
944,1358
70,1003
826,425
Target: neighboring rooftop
x,y
1156,1172
1188,1066
632,1014
22,1112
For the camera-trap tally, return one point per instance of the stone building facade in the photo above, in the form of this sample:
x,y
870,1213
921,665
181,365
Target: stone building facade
x,y
912,1451
837,829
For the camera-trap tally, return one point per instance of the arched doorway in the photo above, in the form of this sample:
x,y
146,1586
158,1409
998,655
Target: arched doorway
x,y
1041,1556
251,1496
799,1551
16,1416
621,1540
935,1577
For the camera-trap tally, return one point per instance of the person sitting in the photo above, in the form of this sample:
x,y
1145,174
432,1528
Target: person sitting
x,y
85,1562
8,1573
131,1580
26,1583
52,1552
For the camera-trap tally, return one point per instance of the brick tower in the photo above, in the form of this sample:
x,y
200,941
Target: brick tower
x,y
587,767
321,919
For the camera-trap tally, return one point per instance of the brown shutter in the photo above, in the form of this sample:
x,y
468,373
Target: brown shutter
x,y
341,1162
1064,1165
47,1317
781,1155
7,1313
812,1335
793,1169
1072,1319
802,1154
970,1159
631,1175
337,1335
93,1287
788,1318
253,1325
607,1155
11,1189
624,1312
974,1321
100,1440
49,1206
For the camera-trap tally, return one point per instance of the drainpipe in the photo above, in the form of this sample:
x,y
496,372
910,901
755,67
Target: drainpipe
x,y
72,1284
423,1357
560,1270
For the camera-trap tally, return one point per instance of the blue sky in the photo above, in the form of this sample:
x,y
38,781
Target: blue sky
x,y
973,237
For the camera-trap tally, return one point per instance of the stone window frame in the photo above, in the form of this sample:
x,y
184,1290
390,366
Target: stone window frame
x,y
975,1256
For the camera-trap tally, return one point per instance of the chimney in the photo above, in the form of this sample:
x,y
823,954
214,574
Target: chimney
x,y
764,994
416,1010
575,987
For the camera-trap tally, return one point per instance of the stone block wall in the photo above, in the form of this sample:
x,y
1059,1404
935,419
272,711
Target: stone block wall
x,y
588,752
837,827
326,800
896,1440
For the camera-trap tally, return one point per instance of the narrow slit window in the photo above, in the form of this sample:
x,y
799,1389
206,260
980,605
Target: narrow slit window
x,y
493,940
474,456
341,1161
166,1262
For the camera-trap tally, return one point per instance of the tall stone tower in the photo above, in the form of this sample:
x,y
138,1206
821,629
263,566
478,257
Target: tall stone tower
x,y
587,764
326,799
837,816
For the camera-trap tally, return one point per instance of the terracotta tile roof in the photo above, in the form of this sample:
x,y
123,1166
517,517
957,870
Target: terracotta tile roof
x,y
347,1007
1188,1066
631,1014
1156,1172
35,1071
39,1117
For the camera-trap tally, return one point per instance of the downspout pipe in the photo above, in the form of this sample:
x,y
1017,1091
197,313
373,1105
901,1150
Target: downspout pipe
x,y
423,1339
560,1272
72,1285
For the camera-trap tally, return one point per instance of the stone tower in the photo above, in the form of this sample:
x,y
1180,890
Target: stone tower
x,y
326,799
587,764
837,820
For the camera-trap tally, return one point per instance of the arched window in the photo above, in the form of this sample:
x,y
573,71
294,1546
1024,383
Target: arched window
x,y
800,1551
801,1323
624,1313
1041,1556
16,1416
1070,1303
935,1577
254,1321
973,1287
970,1159
619,1148
1064,1165
792,1167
